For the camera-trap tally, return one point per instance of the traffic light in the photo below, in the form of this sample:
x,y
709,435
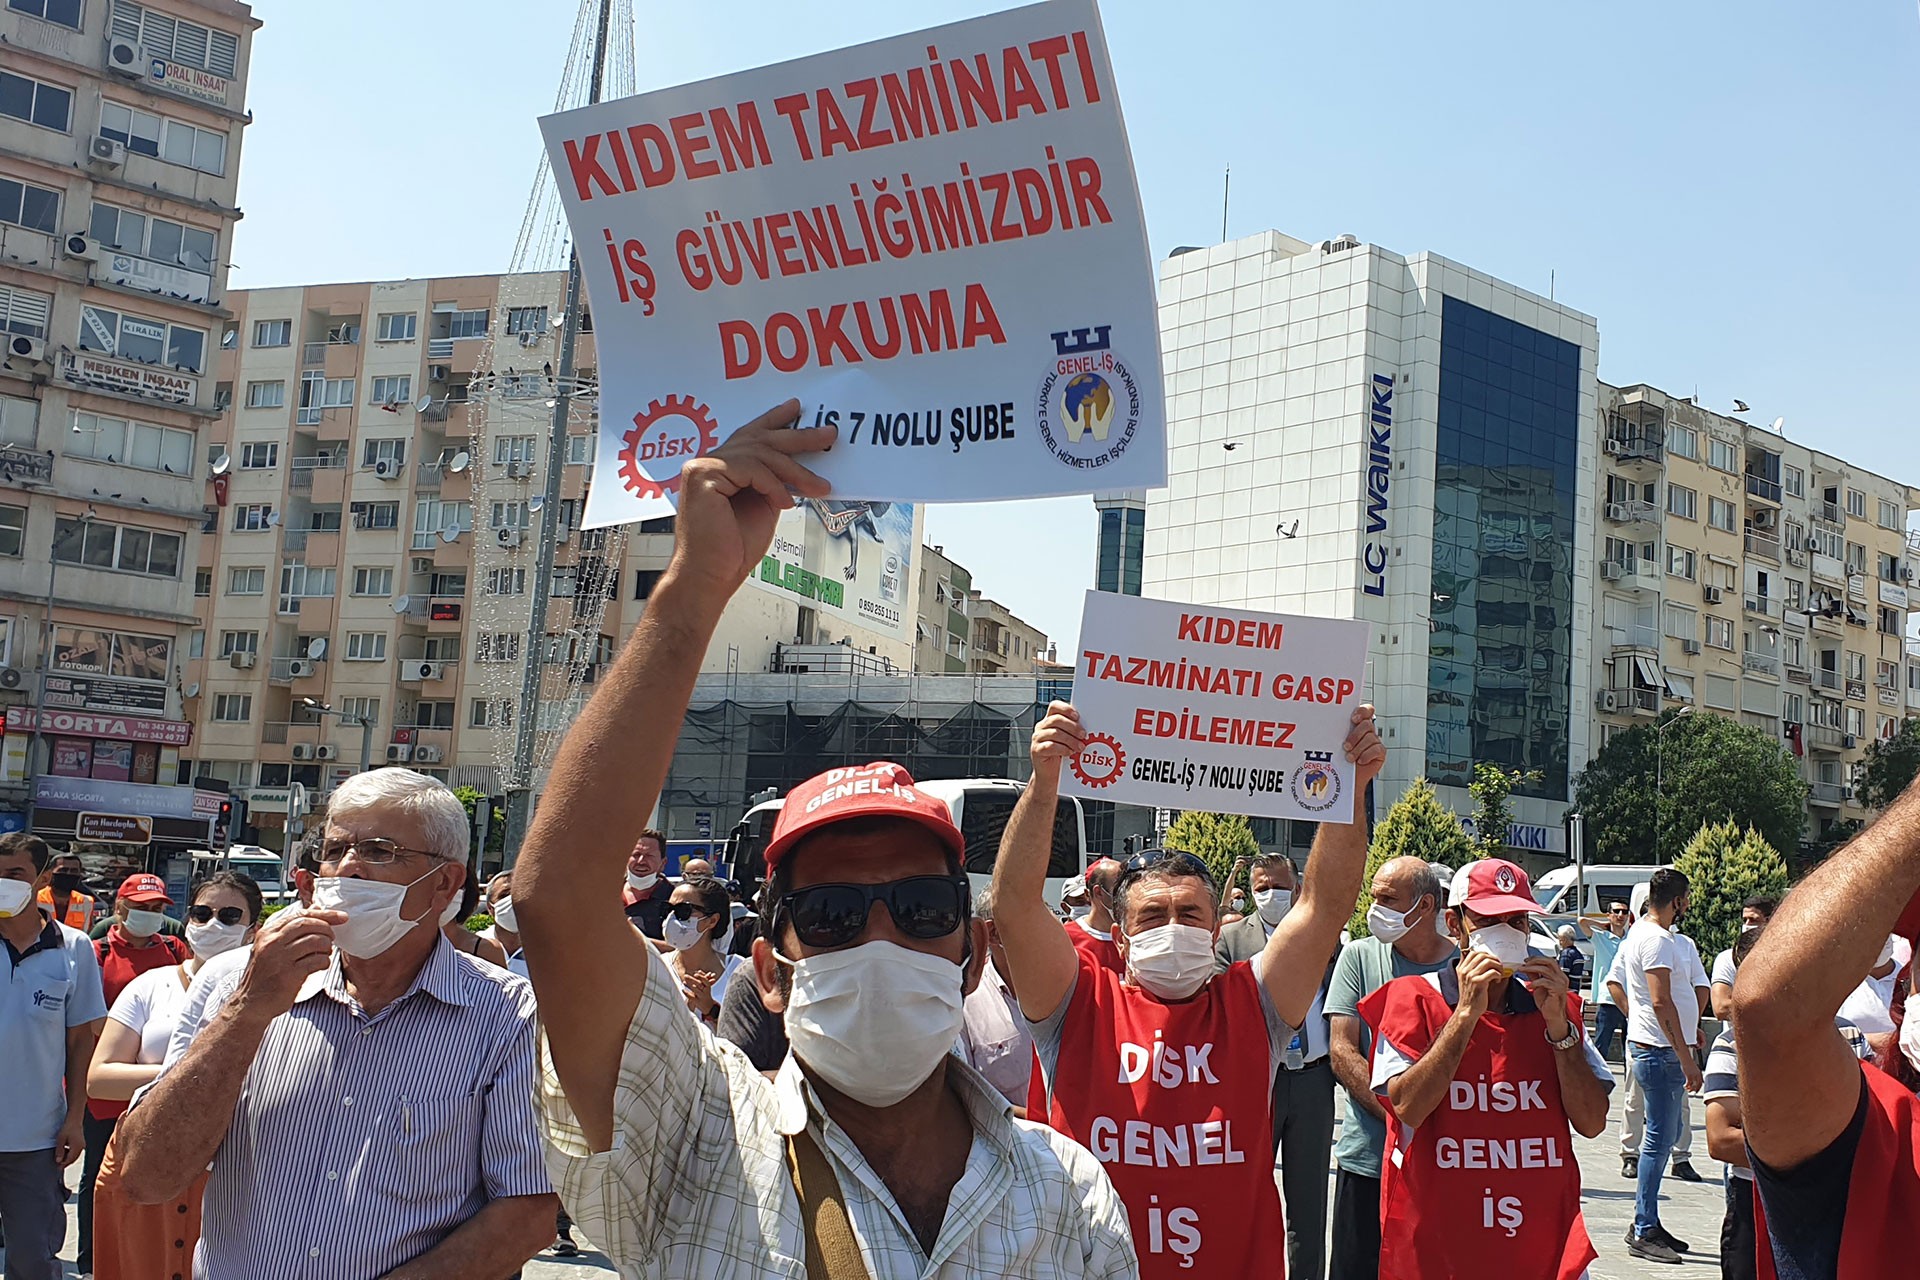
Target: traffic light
x,y
223,827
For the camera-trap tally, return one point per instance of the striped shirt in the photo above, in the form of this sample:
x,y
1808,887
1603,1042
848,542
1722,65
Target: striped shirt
x,y
697,1182
362,1141
1721,1078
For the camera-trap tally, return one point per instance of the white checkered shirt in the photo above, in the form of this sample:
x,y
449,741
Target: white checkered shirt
x,y
697,1182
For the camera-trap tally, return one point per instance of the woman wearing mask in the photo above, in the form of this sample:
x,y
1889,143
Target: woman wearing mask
x,y
504,932
138,1242
696,926
477,945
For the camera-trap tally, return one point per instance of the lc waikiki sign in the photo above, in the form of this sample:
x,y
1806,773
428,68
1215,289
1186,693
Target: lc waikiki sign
x,y
1379,481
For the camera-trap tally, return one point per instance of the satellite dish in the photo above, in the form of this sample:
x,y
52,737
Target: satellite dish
x,y
1780,425
557,321
273,519
449,535
192,690
223,463
536,502
461,461
402,604
317,648
423,404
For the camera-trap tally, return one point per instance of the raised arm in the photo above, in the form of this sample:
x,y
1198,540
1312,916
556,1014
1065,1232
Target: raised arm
x,y
1296,955
587,963
1417,1092
1799,1083
1038,950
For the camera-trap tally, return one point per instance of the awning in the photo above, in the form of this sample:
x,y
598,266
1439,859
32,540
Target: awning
x,y
1649,673
1680,685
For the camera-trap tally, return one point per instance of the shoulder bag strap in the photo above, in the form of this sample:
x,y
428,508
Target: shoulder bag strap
x,y
832,1251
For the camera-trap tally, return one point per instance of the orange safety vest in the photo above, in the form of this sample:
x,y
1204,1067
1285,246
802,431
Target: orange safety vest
x,y
80,909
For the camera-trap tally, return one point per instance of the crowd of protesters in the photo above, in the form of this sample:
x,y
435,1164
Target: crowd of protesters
x,y
863,1067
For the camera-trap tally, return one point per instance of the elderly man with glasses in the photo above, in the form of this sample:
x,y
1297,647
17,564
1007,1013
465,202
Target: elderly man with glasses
x,y
362,1090
1166,1070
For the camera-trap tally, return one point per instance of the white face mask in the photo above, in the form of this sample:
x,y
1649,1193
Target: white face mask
x,y
503,915
1748,928
1387,924
681,934
15,896
873,1020
1172,960
1503,942
1272,904
143,924
213,938
1910,1032
640,884
374,922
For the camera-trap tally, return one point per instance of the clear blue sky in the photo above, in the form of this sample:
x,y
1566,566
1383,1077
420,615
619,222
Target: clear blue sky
x,y
1729,187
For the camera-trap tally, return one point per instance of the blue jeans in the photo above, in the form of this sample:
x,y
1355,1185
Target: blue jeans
x,y
1664,1086
1606,1021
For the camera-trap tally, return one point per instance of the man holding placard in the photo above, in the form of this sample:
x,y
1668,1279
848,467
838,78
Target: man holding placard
x,y
1172,1065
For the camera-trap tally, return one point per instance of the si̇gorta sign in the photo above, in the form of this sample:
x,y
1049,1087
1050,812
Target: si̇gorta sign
x,y
1194,707
933,241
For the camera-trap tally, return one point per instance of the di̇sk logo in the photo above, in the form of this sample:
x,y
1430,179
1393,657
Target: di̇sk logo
x,y
1315,784
1101,762
1088,405
666,435
1503,880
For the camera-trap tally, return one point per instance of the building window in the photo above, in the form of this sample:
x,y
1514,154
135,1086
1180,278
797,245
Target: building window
x,y
153,238
1719,633
174,141
145,341
397,326
24,313
376,515
46,105
252,517
580,451
1890,621
1721,455
467,324
644,581
1720,514
266,395
1857,504
1856,561
1794,480
366,646
395,389
13,531
232,642
1889,514
232,708
1683,442
131,444
1681,623
260,455
1856,722
526,319
360,708
122,548
25,205
64,12
506,582
272,333
510,515
196,644
1683,502
495,714
318,391
165,36
19,417
369,581
374,452
1681,562
246,582
512,449
203,583
498,646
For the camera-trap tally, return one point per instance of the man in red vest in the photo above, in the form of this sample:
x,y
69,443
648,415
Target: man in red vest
x,y
1834,1143
1484,1068
1165,1072
1093,933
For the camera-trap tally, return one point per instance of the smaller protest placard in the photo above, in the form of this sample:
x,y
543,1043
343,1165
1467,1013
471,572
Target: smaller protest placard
x,y
1225,710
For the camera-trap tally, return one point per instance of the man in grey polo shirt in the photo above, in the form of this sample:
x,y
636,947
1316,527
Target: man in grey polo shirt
x,y
51,1011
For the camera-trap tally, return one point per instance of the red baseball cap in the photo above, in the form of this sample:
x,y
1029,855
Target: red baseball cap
x,y
1492,887
141,887
878,790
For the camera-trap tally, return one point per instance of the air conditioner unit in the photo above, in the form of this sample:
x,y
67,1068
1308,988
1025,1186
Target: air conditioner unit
x,y
529,338
302,667
399,752
423,564
1846,793
125,58
519,470
242,661
1612,570
1616,447
1689,646
424,670
10,678
438,372
325,751
563,537
1848,742
386,468
1618,511
1607,700
106,153
510,537
22,347
1712,595
427,754
1765,517
303,751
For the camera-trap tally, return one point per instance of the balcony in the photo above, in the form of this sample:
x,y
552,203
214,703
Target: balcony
x,y
1633,511
330,423
1646,447
427,475
1760,664
1762,488
1829,795
1624,639
1829,513
1797,556
430,746
313,354
300,473
1763,606
1764,545
1826,681
1823,738
286,671
1639,575
439,348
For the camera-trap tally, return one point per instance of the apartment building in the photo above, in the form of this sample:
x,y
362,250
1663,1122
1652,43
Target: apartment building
x,y
943,636
1003,645
120,139
1747,574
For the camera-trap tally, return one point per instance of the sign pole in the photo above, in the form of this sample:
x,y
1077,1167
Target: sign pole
x,y
46,668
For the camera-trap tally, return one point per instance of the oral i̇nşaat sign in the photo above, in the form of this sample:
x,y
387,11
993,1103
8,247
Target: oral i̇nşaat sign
x,y
933,241
1224,710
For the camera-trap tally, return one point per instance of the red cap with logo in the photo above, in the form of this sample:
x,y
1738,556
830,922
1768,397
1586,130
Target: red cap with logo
x,y
141,887
1492,887
878,790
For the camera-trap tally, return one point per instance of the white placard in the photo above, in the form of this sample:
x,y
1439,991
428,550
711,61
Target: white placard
x,y
933,241
1224,710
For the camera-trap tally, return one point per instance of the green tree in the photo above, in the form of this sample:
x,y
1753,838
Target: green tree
x,y
1724,867
1214,838
1492,814
1417,826
496,826
1890,765
1708,769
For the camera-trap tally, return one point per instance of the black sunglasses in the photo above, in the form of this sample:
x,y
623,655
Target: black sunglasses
x,y
200,914
686,910
1149,859
922,907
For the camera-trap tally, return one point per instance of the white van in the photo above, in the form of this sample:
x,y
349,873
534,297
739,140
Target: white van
x,y
1554,891
266,867
981,808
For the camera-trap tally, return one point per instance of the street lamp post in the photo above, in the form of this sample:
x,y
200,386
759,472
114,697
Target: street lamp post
x,y
1659,763
46,655
348,717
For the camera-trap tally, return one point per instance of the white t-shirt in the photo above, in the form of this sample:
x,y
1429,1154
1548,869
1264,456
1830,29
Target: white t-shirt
x,y
151,1005
1696,971
1723,969
1648,947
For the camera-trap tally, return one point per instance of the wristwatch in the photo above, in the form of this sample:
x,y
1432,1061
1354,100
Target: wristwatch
x,y
1572,1039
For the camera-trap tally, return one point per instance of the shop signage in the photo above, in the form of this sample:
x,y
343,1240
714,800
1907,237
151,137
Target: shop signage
x,y
115,828
158,277
1379,482
191,81
150,382
172,733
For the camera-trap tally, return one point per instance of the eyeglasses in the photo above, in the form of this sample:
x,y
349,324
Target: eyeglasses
x,y
685,910
922,907
201,914
1179,860
373,852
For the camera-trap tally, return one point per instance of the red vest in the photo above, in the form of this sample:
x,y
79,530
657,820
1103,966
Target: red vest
x,y
1883,1196
1176,1102
121,964
1105,951
1489,1184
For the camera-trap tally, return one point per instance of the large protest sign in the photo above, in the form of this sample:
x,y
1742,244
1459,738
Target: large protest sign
x,y
1196,707
852,561
933,241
